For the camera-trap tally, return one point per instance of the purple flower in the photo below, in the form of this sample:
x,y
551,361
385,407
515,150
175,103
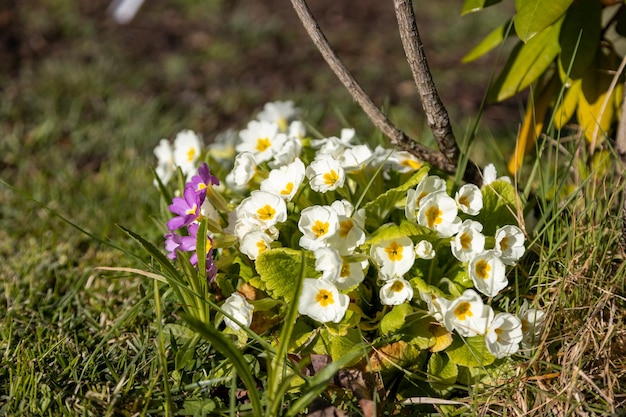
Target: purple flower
x,y
175,242
203,180
187,208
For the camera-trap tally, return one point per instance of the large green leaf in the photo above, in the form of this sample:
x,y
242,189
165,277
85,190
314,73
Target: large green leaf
x,y
492,40
391,231
534,16
526,63
442,371
395,319
499,206
583,21
279,270
470,6
470,352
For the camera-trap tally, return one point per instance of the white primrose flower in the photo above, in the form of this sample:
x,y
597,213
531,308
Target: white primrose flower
x,y
350,234
329,263
429,185
437,306
317,224
279,112
187,149
533,321
285,180
490,175
297,130
243,170
322,301
261,138
287,153
403,161
487,272
468,315
165,161
263,209
355,158
438,212
334,146
238,307
510,244
352,273
504,335
394,257
325,174
252,244
395,291
470,199
468,241
424,250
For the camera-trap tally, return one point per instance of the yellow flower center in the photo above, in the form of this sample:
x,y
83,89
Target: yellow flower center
x,y
324,298
191,153
504,243
466,240
498,332
331,178
320,228
266,213
288,189
260,245
394,251
201,186
345,271
433,216
464,201
463,311
410,163
482,269
192,210
397,286
345,227
282,124
525,326
208,245
262,144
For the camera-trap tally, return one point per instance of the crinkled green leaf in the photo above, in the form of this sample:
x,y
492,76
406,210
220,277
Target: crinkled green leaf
x,y
583,20
338,346
395,319
418,331
470,6
499,206
393,231
442,372
279,270
492,40
533,16
470,352
526,63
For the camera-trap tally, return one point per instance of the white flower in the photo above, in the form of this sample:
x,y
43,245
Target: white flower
x,y
237,306
254,243
438,212
329,263
394,257
325,174
287,153
354,158
395,291
260,138
351,274
322,301
424,249
468,315
430,184
468,242
470,199
279,112
243,170
437,306
510,244
297,130
165,161
504,335
403,161
350,234
334,146
285,180
487,272
187,149
317,224
490,175
532,324
263,209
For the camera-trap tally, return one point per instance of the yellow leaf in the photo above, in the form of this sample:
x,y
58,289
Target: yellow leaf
x,y
567,107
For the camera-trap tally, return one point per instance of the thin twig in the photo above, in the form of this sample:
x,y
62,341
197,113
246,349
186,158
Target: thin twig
x,y
395,135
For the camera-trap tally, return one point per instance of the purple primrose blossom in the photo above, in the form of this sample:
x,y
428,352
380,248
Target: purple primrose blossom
x,y
203,180
187,208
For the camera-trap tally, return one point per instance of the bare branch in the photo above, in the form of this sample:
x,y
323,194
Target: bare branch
x,y
396,136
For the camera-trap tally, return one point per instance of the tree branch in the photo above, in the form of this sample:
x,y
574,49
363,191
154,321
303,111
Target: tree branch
x,y
396,136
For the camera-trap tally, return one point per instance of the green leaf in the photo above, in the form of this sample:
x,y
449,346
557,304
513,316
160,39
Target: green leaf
x,y
442,371
533,16
395,319
470,6
339,346
393,231
499,206
470,352
583,21
492,40
526,63
279,270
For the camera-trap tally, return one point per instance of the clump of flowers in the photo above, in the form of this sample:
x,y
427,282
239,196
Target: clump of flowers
x,y
375,246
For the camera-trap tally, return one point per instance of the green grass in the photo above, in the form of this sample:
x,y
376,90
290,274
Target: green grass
x,y
78,122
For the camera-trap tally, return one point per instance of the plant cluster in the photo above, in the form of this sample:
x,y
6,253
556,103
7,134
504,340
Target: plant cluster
x,y
378,255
